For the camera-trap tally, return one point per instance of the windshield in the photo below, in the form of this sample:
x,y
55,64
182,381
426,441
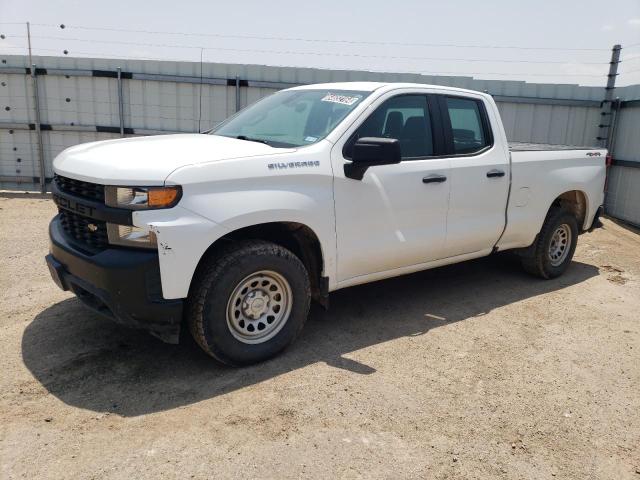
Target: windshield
x,y
291,118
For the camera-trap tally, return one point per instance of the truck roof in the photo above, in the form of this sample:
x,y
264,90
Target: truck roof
x,y
371,86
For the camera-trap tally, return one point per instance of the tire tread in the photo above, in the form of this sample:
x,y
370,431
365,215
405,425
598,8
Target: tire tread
x,y
220,262
533,260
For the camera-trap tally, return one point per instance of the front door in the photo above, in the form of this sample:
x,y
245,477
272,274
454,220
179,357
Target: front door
x,y
396,215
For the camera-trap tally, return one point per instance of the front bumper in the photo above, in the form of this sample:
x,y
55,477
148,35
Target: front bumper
x,y
122,284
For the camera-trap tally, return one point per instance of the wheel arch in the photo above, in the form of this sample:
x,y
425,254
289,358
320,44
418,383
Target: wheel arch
x,y
574,201
297,237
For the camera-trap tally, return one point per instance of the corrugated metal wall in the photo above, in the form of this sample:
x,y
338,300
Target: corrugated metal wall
x,y
554,124
623,194
623,189
78,94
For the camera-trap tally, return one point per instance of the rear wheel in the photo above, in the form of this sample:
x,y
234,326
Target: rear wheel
x,y
551,253
249,302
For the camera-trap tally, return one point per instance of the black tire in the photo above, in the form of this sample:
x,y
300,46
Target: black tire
x,y
216,282
536,259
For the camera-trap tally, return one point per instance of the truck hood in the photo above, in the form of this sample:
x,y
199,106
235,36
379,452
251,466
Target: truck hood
x,y
150,160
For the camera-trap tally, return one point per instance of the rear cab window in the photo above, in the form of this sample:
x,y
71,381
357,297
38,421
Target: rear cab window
x,y
470,129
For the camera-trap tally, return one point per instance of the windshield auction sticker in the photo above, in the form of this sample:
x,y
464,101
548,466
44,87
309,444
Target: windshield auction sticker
x,y
343,99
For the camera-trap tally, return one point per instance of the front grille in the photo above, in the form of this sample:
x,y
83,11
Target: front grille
x,y
90,191
78,228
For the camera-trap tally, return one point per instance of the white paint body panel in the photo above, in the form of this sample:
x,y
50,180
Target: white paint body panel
x,y
381,221
149,160
476,206
539,178
388,224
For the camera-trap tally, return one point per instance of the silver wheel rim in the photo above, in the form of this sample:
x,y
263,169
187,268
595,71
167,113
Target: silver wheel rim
x,y
259,307
560,245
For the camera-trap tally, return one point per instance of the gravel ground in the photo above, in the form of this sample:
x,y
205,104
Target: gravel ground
x,y
469,371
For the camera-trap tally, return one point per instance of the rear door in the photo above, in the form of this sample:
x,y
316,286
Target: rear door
x,y
479,173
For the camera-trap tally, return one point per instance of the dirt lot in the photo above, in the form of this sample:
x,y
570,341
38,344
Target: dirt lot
x,y
469,371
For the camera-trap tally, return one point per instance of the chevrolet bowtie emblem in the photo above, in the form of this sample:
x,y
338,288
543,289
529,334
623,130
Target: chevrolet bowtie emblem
x,y
92,227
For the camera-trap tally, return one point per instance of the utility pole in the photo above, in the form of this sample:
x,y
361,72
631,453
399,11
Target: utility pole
x,y
120,103
29,41
36,100
606,117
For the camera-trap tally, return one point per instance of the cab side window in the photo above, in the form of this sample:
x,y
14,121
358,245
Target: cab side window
x,y
406,118
469,131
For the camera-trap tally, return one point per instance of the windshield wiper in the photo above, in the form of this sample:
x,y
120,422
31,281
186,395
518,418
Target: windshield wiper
x,y
250,139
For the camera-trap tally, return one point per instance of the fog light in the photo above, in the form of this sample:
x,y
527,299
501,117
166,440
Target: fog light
x,y
130,236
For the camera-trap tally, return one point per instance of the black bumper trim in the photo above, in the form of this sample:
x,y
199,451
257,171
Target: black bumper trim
x,y
122,284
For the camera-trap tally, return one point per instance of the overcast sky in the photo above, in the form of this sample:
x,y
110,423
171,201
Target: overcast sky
x,y
572,38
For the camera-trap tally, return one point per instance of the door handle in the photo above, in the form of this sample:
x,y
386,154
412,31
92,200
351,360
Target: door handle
x,y
434,179
495,173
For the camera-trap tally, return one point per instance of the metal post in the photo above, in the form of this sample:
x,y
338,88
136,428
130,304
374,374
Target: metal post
x,y
200,94
237,93
611,142
606,112
29,42
120,104
34,76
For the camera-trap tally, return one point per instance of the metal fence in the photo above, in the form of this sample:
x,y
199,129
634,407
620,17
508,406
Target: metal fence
x,y
79,100
623,189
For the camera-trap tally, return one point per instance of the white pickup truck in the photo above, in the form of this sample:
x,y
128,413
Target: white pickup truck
x,y
307,191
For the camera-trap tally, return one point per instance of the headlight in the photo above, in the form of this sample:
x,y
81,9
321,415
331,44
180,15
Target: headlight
x,y
142,198
130,236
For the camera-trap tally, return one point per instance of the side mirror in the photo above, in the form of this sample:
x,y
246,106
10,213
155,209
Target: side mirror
x,y
371,151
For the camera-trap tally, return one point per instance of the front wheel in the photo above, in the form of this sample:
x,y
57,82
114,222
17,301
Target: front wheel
x,y
551,253
249,302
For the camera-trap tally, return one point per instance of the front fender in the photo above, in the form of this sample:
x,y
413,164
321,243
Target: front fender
x,y
239,193
205,214
183,237
308,201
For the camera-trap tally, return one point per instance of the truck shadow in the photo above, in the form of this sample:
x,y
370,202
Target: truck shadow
x,y
91,363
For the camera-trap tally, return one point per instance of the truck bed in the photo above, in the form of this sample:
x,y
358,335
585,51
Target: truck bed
x,y
543,147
